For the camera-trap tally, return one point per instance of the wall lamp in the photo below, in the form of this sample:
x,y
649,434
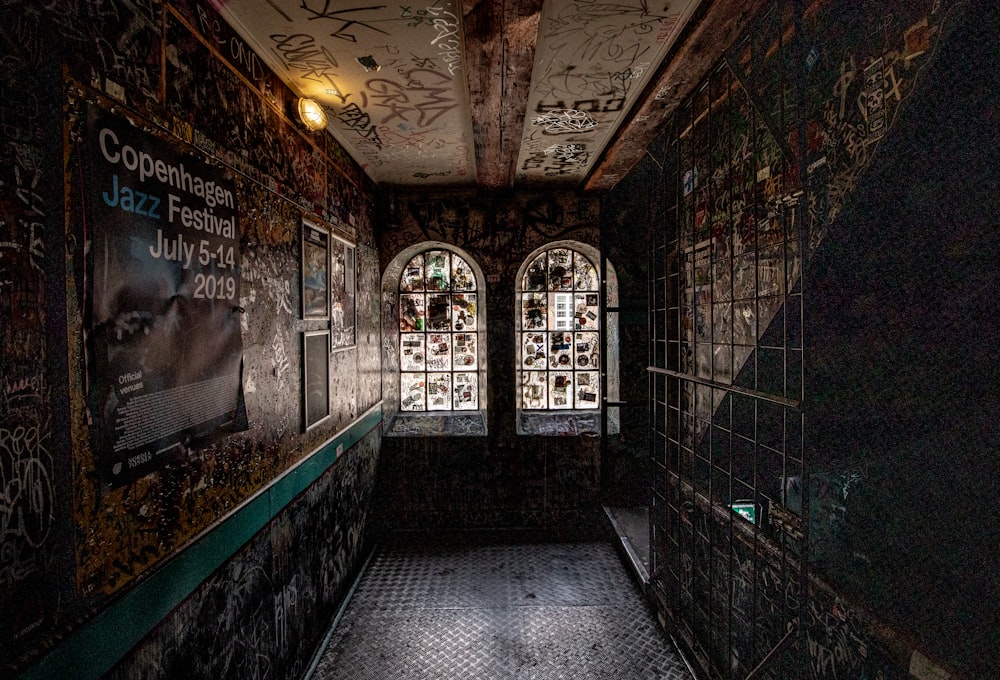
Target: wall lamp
x,y
312,114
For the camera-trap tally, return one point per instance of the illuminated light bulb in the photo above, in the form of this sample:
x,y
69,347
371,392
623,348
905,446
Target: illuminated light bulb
x,y
312,114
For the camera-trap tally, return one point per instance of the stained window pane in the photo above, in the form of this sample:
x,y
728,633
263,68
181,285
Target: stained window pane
x,y
588,355
463,311
439,392
533,350
439,351
466,392
439,312
559,344
411,312
560,350
586,273
535,276
534,389
412,392
560,269
411,352
437,269
560,390
533,311
465,350
438,319
587,383
413,275
462,277
585,311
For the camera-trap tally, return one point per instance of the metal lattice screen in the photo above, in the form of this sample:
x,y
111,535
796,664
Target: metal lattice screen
x,y
726,370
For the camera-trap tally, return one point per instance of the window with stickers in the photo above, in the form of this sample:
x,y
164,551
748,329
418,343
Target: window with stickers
x,y
559,337
437,308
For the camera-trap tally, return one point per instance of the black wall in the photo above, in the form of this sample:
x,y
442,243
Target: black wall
x,y
884,569
902,335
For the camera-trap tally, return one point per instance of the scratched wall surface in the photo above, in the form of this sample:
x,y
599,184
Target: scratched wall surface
x,y
903,323
501,229
262,614
738,591
35,531
828,636
69,545
505,479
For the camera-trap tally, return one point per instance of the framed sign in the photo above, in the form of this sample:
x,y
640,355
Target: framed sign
x,y
315,272
745,509
315,378
343,280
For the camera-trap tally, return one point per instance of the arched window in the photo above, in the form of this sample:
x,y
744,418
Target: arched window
x,y
438,334
434,373
559,344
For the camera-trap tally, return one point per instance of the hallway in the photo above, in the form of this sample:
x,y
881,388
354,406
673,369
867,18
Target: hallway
x,y
283,399
490,605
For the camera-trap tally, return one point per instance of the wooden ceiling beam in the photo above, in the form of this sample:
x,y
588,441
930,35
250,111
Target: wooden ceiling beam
x,y
500,53
469,5
704,45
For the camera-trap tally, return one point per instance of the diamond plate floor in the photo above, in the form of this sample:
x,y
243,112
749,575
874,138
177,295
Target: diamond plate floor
x,y
446,609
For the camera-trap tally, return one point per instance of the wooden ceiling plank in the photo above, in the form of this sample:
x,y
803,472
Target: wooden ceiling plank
x,y
500,52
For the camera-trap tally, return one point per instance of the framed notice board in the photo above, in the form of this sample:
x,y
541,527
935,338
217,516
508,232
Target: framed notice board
x,y
315,272
315,377
343,293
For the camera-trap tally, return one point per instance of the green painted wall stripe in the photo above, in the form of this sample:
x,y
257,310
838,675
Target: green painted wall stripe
x,y
101,642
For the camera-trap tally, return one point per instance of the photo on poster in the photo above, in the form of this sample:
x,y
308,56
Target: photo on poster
x,y
343,294
315,272
315,378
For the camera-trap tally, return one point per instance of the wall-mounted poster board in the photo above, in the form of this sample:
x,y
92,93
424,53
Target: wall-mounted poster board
x,y
343,280
315,272
315,377
164,296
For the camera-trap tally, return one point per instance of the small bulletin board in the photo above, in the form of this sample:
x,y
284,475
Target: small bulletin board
x,y
315,377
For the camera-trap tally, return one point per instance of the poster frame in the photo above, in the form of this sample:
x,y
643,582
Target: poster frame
x,y
149,276
315,378
315,251
348,288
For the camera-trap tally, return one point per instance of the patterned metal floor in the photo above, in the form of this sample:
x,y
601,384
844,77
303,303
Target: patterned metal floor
x,y
447,609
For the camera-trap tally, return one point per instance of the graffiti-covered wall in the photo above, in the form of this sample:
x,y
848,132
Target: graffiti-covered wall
x,y
35,524
757,508
210,180
262,614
